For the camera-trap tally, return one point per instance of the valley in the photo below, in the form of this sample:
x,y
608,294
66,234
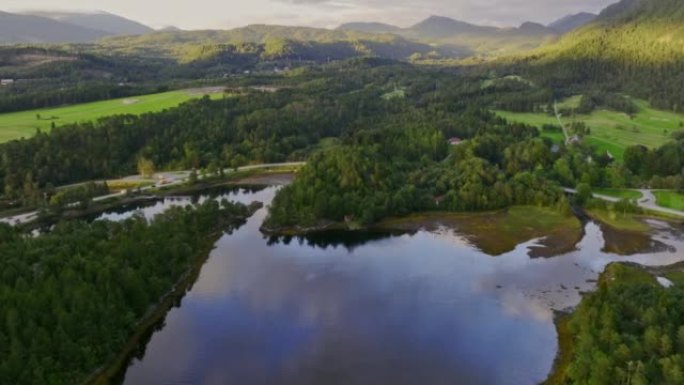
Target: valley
x,y
303,195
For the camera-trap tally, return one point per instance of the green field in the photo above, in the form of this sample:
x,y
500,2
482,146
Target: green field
x,y
16,125
492,82
610,130
619,193
670,199
398,93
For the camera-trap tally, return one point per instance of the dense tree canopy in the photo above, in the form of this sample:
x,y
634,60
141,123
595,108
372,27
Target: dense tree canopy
x,y
629,332
407,167
72,298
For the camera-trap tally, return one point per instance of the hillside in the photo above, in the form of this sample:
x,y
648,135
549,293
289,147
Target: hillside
x,y
471,38
369,27
15,28
101,21
634,46
273,42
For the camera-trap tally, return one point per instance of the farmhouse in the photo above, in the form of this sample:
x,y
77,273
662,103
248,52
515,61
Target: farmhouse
x,y
6,82
455,141
573,140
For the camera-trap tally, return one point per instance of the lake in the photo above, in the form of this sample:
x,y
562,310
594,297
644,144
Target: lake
x,y
369,309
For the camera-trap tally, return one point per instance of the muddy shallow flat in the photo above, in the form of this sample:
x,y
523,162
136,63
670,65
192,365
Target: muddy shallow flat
x,y
499,232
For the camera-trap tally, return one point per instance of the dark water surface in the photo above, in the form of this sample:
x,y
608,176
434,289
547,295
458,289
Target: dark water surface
x,y
417,309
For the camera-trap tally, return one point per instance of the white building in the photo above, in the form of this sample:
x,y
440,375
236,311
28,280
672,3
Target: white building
x,y
6,82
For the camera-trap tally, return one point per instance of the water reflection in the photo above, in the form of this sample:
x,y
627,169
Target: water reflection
x,y
423,308
154,206
333,239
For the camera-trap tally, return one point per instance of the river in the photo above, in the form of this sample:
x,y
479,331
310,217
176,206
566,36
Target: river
x,y
368,309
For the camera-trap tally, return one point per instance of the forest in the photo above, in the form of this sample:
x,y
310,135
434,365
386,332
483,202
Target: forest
x,y
72,298
256,127
403,140
408,167
628,332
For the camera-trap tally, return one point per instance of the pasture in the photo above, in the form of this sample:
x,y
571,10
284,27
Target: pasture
x,y
23,124
670,199
610,130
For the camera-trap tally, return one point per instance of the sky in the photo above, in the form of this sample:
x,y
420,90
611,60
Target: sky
x,y
223,14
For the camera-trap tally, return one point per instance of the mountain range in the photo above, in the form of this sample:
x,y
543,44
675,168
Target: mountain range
x,y
61,27
572,22
301,43
98,21
455,37
478,39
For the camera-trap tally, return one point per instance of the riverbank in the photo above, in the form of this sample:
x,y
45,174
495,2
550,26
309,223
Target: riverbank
x,y
157,313
566,350
629,233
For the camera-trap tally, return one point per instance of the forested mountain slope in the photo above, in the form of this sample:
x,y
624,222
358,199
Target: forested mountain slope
x,y
634,46
272,41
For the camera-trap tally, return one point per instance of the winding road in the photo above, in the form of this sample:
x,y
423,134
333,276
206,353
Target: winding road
x,y
172,178
648,201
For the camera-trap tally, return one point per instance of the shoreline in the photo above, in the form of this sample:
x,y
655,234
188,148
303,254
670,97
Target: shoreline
x,y
411,223
158,312
562,320
494,232
566,348
247,178
105,374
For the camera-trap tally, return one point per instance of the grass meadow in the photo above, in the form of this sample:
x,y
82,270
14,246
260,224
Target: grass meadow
x,y
610,130
17,125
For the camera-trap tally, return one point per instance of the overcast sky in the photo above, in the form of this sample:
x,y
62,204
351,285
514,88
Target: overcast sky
x,y
197,14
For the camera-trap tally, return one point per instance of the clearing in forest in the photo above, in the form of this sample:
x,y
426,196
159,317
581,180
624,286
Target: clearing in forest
x,y
23,124
611,130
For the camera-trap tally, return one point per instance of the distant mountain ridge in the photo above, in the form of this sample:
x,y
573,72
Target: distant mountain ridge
x,y
273,41
15,28
370,27
476,39
572,22
100,21
445,35
64,27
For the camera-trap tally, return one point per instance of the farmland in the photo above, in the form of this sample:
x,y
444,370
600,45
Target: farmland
x,y
24,124
613,131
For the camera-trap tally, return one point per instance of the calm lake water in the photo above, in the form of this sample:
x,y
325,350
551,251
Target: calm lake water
x,y
427,308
